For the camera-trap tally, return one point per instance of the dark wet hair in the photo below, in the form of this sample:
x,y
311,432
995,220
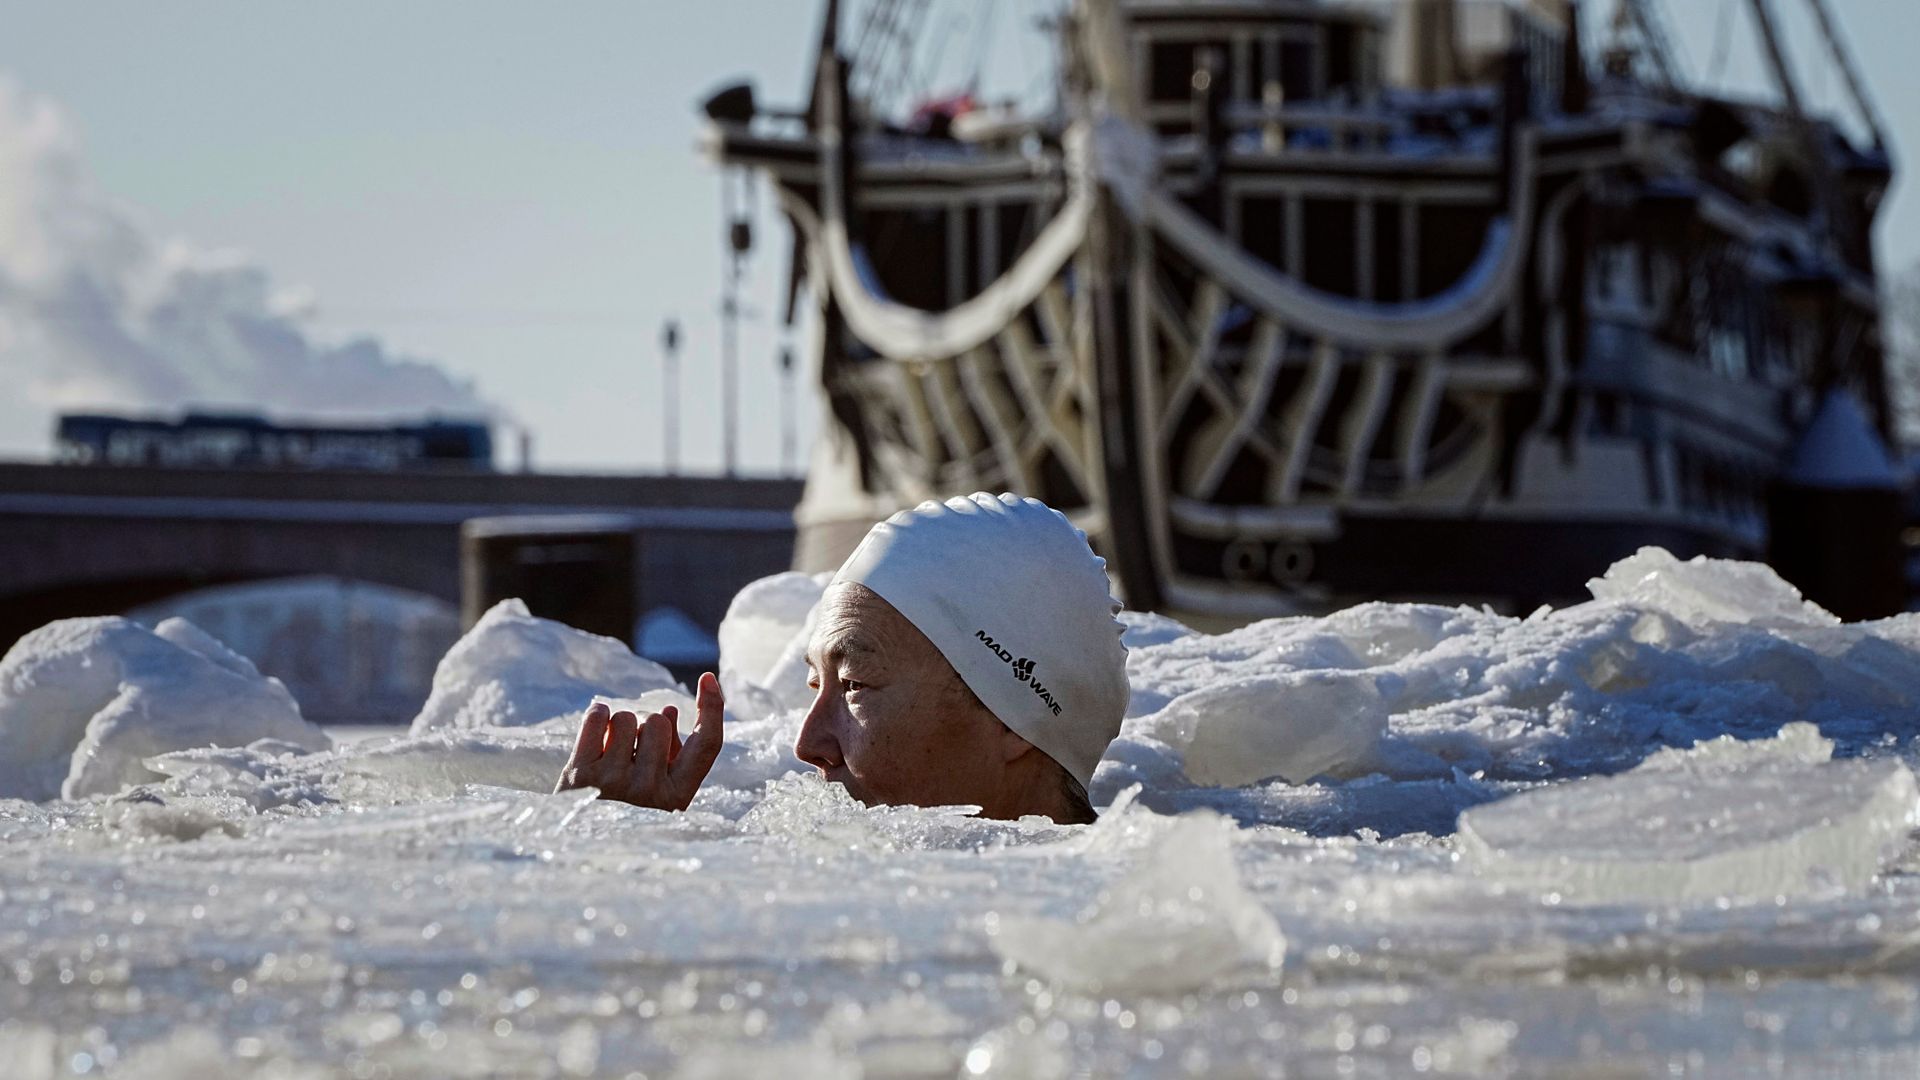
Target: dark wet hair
x,y
1079,809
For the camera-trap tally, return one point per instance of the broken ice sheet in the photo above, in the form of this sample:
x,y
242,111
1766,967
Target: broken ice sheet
x,y
1724,820
1703,591
1178,920
408,900
1295,726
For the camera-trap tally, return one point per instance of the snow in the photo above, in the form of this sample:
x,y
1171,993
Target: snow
x,y
85,702
1664,830
514,670
763,641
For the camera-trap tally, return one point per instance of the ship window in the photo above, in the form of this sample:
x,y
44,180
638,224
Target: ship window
x,y
1170,68
1339,57
1170,71
1386,251
1263,229
1296,70
909,253
1329,236
1259,68
1618,270
1729,352
1685,472
1450,240
1789,191
1061,492
1015,221
1324,460
1606,413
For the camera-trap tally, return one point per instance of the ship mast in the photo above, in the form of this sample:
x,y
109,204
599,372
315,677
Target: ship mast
x,y
1654,40
1825,182
1836,51
1777,59
1849,72
883,51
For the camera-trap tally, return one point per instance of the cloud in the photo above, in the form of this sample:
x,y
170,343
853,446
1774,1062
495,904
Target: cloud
x,y
98,313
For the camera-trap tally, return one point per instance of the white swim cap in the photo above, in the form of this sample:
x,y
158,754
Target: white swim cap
x,y
1009,592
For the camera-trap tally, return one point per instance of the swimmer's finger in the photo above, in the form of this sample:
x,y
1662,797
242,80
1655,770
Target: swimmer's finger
x,y
593,734
703,746
672,713
650,763
620,736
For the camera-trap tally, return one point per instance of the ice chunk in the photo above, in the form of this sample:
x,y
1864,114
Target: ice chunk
x,y
1379,633
1179,920
1144,628
807,811
193,639
1296,726
1009,1053
1703,591
183,817
404,769
1362,637
800,1061
761,622
763,642
437,764
84,703
1723,820
190,1051
515,670
1800,744
1672,653
445,763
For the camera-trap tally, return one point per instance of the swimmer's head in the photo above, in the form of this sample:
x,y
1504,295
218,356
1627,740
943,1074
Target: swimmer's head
x,y
968,653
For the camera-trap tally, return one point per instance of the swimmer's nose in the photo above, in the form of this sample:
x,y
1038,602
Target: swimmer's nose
x,y
817,745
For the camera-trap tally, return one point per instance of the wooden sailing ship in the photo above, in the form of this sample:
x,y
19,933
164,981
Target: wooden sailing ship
x,y
1292,303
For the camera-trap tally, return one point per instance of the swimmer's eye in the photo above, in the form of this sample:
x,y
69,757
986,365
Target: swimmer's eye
x,y
850,685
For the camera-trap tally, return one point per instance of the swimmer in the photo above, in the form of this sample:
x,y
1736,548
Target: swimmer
x,y
966,654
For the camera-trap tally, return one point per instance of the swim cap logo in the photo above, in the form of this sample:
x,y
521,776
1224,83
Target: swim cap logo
x,y
1022,670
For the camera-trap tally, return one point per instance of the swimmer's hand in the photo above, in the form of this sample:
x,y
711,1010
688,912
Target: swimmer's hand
x,y
643,761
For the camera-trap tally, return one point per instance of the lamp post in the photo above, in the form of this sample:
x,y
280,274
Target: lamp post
x,y
670,394
788,449
739,238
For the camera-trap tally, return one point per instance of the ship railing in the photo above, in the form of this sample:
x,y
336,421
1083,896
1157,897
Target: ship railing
x,y
1313,127
1319,129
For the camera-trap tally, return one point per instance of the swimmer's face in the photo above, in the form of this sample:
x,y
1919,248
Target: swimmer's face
x,y
890,719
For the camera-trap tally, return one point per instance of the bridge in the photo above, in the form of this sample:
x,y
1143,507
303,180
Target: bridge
x,y
91,540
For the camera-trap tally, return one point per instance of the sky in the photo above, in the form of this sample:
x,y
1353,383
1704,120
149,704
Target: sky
x,y
477,205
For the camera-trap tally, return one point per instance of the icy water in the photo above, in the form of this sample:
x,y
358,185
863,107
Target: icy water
x,y
1665,832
